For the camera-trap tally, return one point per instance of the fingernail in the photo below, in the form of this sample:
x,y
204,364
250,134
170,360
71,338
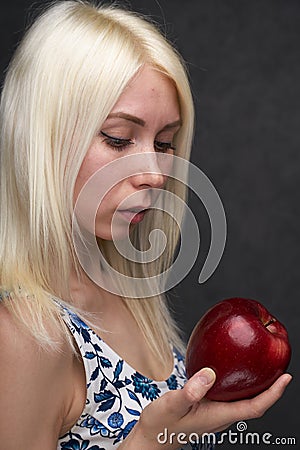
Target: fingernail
x,y
206,376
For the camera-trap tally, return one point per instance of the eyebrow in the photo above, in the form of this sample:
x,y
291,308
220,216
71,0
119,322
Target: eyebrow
x,y
141,122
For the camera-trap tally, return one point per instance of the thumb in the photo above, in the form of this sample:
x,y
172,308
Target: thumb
x,y
174,405
196,388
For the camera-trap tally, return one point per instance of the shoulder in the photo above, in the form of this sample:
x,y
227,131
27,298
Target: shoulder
x,y
34,386
18,345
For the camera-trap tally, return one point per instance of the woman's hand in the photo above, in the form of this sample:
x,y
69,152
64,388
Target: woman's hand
x,y
187,411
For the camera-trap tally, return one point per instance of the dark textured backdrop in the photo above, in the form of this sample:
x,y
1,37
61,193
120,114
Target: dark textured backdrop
x,y
244,63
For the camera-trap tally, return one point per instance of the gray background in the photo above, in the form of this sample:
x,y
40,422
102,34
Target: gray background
x,y
244,64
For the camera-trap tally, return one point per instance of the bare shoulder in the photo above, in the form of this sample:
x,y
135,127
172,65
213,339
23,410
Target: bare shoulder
x,y
34,388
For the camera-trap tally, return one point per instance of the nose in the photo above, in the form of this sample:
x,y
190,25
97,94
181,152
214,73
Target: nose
x,y
149,172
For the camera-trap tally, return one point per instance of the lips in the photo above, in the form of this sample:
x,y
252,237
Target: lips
x,y
135,214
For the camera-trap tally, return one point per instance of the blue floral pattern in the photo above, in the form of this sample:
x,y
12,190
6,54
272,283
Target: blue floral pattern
x,y
116,393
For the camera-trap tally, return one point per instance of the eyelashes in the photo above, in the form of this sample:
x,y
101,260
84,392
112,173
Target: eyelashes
x,y
120,144
163,146
116,143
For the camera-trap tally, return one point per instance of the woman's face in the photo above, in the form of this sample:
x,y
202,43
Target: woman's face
x,y
143,121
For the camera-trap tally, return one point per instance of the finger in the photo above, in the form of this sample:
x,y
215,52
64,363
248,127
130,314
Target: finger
x,y
194,390
266,399
257,406
174,405
178,403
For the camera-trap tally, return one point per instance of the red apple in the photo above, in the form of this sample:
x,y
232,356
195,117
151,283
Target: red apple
x,y
243,343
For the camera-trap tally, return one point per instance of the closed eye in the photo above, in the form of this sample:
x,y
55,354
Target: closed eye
x,y
120,144
116,143
163,146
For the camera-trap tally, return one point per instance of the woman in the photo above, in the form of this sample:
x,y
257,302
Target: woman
x,y
94,106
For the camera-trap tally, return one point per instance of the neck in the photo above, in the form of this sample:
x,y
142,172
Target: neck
x,y
87,295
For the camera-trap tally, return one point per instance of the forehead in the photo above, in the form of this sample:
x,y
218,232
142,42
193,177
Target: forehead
x,y
149,91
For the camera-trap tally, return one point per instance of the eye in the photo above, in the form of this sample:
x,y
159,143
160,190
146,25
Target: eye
x,y
163,146
116,143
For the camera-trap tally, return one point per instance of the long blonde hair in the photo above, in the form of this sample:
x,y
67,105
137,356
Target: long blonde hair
x,y
66,75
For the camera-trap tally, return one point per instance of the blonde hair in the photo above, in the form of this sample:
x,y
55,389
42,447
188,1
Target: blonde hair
x,y
66,75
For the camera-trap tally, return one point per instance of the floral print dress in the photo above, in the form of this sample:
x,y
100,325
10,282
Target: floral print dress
x,y
116,393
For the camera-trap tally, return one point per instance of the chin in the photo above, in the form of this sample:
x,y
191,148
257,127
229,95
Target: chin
x,y
120,233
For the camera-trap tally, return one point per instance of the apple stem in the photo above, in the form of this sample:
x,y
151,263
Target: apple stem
x,y
270,322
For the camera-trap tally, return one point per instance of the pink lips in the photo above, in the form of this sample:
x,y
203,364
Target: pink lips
x,y
133,216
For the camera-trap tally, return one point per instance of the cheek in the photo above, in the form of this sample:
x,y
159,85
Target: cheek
x,y
93,161
166,165
82,176
81,179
